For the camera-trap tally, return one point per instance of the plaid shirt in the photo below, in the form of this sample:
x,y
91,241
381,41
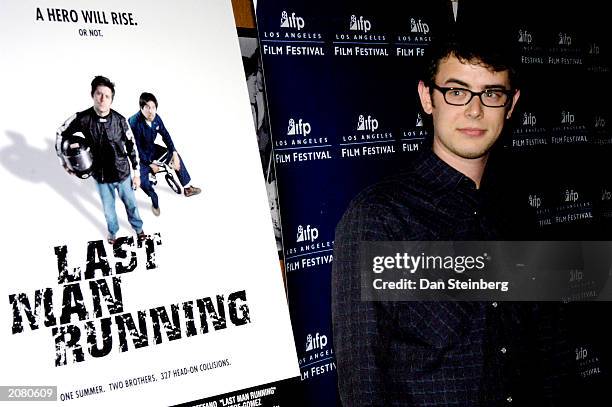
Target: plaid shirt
x,y
431,353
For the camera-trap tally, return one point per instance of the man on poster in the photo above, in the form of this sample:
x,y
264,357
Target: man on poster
x,y
437,353
146,125
113,151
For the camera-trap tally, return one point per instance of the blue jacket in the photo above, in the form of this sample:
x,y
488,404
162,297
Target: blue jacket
x,y
145,136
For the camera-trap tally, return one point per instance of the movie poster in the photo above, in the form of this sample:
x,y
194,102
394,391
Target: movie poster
x,y
179,295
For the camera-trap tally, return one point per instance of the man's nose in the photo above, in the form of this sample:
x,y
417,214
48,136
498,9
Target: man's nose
x,y
474,109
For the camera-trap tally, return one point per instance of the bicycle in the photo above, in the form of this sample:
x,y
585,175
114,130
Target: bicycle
x,y
170,176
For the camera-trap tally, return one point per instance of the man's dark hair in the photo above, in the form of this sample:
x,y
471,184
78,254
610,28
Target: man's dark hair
x,y
102,81
146,97
468,45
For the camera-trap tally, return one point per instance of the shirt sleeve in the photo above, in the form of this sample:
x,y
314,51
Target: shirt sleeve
x,y
130,146
133,123
166,136
357,332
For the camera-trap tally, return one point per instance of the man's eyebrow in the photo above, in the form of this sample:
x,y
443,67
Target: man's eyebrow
x,y
457,81
464,84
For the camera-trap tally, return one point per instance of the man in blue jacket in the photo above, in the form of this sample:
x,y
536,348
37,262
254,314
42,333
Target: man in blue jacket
x,y
146,125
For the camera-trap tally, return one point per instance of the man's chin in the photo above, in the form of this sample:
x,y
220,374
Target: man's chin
x,y
472,154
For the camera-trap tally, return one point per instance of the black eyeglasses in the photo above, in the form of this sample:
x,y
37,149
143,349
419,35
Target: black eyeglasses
x,y
488,97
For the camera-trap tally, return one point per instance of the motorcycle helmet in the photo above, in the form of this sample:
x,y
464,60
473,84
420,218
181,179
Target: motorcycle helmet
x,y
76,152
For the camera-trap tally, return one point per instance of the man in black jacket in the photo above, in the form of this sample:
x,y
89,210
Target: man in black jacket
x,y
115,158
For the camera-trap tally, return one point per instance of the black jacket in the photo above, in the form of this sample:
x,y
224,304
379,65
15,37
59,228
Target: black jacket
x,y
112,143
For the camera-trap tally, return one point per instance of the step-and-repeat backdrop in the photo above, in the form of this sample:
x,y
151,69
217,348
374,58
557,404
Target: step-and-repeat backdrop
x,y
341,79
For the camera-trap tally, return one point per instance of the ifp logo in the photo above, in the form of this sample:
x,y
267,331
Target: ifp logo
x,y
298,127
418,26
360,24
307,234
315,342
369,124
292,21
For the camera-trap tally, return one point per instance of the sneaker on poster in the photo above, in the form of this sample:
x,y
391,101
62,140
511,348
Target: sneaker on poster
x,y
190,191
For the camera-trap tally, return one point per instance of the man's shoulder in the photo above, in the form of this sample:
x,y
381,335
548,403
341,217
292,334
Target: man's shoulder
x,y
117,114
134,119
158,120
397,189
382,191
87,112
390,206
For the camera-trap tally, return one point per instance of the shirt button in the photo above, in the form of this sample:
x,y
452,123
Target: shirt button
x,y
494,304
503,350
509,399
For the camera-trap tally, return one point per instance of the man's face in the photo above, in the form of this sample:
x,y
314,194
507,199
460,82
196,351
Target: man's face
x,y
149,110
465,132
102,98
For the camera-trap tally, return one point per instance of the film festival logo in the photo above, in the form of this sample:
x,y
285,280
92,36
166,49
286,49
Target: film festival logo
x,y
300,128
529,132
535,201
565,39
317,342
570,130
567,118
525,37
601,132
606,200
571,196
360,24
309,234
369,124
291,22
529,119
418,26
574,207
588,365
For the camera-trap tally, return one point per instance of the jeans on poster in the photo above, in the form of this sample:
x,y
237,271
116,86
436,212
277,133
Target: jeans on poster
x,y
126,194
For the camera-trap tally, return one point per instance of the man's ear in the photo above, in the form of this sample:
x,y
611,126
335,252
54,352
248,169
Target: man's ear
x,y
515,99
425,97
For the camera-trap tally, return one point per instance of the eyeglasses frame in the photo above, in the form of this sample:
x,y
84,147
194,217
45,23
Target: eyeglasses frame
x,y
509,92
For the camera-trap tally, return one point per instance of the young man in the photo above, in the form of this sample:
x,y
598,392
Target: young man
x,y
114,154
146,124
435,353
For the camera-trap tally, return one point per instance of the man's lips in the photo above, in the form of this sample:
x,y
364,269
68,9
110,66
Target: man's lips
x,y
472,131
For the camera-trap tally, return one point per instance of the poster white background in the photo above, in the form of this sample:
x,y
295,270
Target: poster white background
x,y
218,242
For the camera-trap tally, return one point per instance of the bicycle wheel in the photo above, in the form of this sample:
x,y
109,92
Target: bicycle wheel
x,y
173,183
